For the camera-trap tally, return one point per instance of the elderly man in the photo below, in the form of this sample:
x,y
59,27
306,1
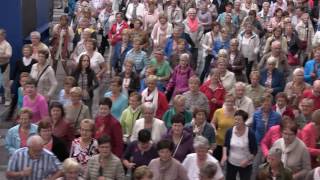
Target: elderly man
x,y
243,102
314,94
5,55
155,126
34,162
255,90
306,109
179,102
282,60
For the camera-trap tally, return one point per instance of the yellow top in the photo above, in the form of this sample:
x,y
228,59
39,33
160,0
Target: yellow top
x,y
223,122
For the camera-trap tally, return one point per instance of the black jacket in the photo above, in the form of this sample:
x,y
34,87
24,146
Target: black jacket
x,y
59,149
92,80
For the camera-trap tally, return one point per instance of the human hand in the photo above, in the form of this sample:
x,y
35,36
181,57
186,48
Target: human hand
x,y
26,172
223,160
244,163
130,165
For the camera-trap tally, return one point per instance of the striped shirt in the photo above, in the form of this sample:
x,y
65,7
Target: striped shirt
x,y
140,59
46,165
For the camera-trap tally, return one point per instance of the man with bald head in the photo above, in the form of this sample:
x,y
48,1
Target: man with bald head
x,y
33,162
314,94
276,52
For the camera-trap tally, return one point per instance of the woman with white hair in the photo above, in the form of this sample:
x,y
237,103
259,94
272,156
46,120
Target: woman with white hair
x,y
295,88
36,44
271,78
154,125
71,170
195,161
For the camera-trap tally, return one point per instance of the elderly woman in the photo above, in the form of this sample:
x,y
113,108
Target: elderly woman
x,y
197,160
154,125
44,75
52,143
236,61
162,30
222,120
157,98
178,107
60,127
214,91
205,16
36,44
35,101
181,138
194,97
139,152
305,33
143,173
167,167
271,78
119,99
296,87
306,107
60,43
17,136
178,82
130,79
292,42
150,17
228,78
254,90
85,146
282,107
276,36
249,44
310,136
71,170
86,79
76,111
295,155
239,148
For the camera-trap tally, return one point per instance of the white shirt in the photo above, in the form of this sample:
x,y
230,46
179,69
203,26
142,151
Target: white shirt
x,y
239,148
246,104
158,129
95,61
191,165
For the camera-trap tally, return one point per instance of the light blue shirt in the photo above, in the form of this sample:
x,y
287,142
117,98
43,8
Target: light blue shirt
x,y
119,105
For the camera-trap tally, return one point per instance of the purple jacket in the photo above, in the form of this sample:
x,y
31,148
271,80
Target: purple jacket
x,y
179,80
185,147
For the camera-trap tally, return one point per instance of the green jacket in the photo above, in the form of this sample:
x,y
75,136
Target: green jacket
x,y
265,173
128,118
169,113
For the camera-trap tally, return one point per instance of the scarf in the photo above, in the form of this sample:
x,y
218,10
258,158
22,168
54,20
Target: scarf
x,y
60,41
193,24
161,28
287,149
316,174
152,97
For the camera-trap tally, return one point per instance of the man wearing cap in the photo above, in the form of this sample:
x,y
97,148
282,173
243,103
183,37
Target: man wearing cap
x,y
274,168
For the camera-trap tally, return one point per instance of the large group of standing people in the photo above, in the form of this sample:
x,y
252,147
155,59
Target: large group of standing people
x,y
167,90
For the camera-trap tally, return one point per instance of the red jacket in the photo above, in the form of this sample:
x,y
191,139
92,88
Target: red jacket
x,y
114,35
309,136
308,93
162,105
110,126
218,94
272,135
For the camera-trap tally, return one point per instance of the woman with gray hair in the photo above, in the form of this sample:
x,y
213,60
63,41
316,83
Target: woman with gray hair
x,y
71,170
154,125
36,44
195,161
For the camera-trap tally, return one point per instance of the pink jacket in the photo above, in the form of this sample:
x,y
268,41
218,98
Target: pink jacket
x,y
273,134
309,137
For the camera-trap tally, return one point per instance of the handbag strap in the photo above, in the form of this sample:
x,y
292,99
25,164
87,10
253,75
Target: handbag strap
x,y
78,116
42,72
175,151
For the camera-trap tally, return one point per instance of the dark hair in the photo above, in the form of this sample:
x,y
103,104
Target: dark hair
x,y
243,114
106,101
253,12
144,135
285,122
266,96
117,80
198,110
44,52
178,118
56,104
31,81
165,144
44,124
292,127
104,140
64,17
79,67
137,95
282,95
277,10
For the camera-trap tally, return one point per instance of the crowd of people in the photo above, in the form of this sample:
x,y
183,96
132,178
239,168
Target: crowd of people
x,y
167,90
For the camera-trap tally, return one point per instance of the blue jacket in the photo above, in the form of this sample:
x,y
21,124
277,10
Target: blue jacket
x,y
168,49
117,55
12,141
208,132
218,44
253,148
258,126
278,81
309,68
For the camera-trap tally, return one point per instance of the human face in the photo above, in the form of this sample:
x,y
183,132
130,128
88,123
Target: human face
x,y
254,80
288,136
72,174
144,146
176,33
238,121
137,25
151,85
316,90
192,14
27,52
266,7
177,128
214,78
104,149
240,91
273,161
35,151
236,5
276,49
193,86
233,47
165,154
104,110
133,102
148,114
201,153
119,18
305,18
128,67
24,120
222,66
35,40
229,102
42,59
306,107
64,21
279,14
115,88
271,66
30,90
56,113
281,102
85,62
86,35
179,106
183,62
162,20
137,46
277,33
200,118
67,87
89,46
85,131
228,8
266,105
75,98
158,56
46,134
317,55
23,81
